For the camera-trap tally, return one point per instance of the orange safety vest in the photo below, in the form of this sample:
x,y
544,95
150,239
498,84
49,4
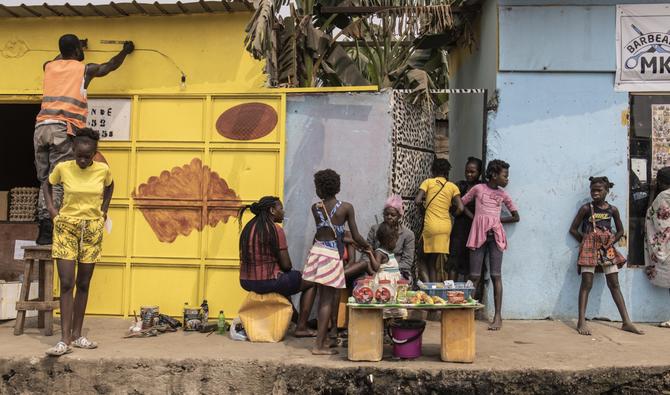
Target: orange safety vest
x,y
64,96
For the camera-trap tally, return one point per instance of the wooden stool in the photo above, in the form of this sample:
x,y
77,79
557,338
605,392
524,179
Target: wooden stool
x,y
45,303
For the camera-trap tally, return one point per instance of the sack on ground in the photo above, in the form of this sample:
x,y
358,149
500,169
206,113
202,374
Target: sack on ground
x,y
237,331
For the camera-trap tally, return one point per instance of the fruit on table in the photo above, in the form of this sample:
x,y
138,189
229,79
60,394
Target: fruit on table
x,y
456,297
421,298
438,300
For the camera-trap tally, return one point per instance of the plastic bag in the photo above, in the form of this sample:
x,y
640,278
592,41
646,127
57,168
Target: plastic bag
x,y
237,331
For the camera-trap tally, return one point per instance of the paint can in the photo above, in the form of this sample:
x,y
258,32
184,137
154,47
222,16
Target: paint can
x,y
192,318
149,316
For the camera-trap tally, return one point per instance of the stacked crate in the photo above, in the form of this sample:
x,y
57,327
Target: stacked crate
x,y
23,204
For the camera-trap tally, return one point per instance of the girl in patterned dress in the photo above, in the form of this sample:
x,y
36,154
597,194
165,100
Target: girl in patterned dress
x,y
324,264
382,261
596,250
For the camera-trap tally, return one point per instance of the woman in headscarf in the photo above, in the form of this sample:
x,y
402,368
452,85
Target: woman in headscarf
x,y
404,250
657,235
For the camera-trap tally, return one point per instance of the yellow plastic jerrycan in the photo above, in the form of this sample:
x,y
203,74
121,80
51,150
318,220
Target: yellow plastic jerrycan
x,y
266,317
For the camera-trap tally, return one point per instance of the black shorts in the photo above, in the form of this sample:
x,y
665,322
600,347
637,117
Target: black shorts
x,y
286,283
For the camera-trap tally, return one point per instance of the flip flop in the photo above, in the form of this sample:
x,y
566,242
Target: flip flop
x,y
309,333
83,342
59,349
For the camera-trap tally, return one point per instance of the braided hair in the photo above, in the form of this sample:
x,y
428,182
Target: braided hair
x,y
601,180
259,233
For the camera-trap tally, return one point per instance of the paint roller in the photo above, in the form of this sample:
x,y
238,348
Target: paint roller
x,y
121,42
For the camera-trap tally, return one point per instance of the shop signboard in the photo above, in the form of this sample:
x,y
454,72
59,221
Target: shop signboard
x,y
643,48
110,117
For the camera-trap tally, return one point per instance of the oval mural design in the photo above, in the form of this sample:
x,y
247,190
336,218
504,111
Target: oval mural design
x,y
249,121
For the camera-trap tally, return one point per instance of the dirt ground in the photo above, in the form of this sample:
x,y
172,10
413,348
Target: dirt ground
x,y
525,357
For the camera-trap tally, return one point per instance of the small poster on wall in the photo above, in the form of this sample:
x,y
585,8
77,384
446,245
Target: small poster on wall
x,y
660,137
110,117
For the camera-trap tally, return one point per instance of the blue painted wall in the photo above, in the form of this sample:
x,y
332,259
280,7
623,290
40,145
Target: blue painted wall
x,y
556,129
557,38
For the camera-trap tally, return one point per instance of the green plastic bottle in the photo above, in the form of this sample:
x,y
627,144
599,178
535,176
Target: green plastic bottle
x,y
222,323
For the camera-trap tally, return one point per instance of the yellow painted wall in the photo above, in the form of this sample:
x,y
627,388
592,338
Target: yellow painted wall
x,y
170,128
208,48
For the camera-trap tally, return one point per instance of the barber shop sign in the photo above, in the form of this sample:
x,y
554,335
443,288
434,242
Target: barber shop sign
x,y
643,47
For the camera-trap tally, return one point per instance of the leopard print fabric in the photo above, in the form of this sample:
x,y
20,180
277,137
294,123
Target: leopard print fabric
x,y
413,150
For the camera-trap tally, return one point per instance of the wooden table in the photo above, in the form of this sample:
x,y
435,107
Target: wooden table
x,y
45,304
366,331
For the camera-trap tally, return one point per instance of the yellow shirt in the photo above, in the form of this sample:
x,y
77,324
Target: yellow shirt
x,y
83,188
437,221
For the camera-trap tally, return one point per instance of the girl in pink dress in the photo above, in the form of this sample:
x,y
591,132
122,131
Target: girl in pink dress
x,y
487,234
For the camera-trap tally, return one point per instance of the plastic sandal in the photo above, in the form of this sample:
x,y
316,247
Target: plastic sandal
x,y
59,349
83,342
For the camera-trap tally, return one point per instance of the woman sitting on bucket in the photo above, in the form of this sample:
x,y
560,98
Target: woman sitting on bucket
x,y
265,265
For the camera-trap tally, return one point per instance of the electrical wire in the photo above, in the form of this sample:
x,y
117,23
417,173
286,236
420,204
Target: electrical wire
x,y
7,52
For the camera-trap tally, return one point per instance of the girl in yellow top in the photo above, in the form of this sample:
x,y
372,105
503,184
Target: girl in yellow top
x,y
439,197
78,228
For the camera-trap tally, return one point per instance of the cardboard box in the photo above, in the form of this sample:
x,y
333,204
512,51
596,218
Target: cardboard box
x,y
9,294
4,205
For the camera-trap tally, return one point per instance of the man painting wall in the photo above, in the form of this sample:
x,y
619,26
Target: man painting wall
x,y
64,108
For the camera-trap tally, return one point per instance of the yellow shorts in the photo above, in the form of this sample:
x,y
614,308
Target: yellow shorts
x,y
77,239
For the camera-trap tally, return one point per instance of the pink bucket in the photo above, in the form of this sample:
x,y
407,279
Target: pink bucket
x,y
406,336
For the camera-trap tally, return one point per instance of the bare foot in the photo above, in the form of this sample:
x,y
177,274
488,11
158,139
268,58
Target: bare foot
x,y
496,325
629,327
324,351
304,333
583,329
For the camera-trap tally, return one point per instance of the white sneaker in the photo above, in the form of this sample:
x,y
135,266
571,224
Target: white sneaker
x,y
59,349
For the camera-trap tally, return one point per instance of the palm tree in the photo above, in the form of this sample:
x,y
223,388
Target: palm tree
x,y
398,44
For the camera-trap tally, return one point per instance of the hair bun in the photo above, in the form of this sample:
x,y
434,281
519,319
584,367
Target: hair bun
x,y
591,178
255,209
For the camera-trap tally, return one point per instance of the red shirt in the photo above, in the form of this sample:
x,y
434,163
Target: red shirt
x,y
266,265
